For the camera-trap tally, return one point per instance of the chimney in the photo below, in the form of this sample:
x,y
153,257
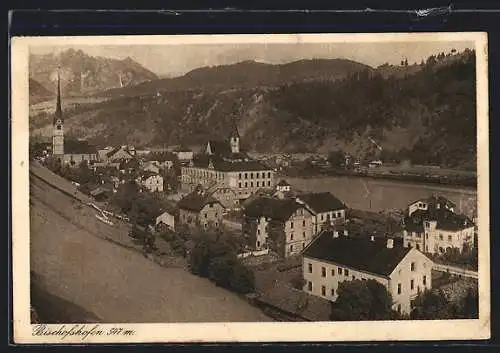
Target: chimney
x,y
390,243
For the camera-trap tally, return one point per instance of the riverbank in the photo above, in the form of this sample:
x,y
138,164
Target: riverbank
x,y
457,180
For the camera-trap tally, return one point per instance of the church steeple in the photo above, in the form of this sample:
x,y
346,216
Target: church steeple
x,y
234,139
58,124
58,113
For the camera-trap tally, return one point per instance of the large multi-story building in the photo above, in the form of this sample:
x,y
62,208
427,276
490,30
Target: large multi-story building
x,y
222,163
333,258
432,226
283,225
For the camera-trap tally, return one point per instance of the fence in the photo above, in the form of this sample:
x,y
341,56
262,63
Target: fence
x,y
253,253
462,272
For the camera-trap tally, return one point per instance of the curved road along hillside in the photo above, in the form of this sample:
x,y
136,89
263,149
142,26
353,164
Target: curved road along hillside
x,y
114,283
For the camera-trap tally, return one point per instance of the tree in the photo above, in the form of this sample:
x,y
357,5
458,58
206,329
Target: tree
x,y
242,279
433,305
199,259
221,270
469,306
336,158
362,300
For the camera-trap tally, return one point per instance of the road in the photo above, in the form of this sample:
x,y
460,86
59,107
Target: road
x,y
113,283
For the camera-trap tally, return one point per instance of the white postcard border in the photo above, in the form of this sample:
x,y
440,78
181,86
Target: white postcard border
x,y
239,332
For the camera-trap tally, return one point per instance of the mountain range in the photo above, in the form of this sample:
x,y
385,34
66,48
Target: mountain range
x,y
424,112
82,74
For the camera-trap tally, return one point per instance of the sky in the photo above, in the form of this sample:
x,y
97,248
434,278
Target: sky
x,y
176,60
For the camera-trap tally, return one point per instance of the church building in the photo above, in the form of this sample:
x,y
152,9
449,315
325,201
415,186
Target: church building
x,y
223,164
71,152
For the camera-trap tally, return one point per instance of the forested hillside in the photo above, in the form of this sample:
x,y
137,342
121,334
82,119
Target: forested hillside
x,y
427,114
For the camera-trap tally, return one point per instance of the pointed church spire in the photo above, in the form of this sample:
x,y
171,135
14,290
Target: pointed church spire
x,y
234,131
58,113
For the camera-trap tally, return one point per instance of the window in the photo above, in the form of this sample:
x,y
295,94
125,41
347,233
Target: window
x,y
399,308
291,248
323,290
353,277
321,217
251,184
291,236
449,237
258,231
206,215
251,175
268,183
257,184
412,266
346,272
303,234
216,224
323,272
412,284
399,288
418,247
340,271
333,272
310,286
310,267
426,235
440,236
291,225
258,243
246,184
424,281
303,222
211,205
333,292
303,245
59,127
239,185
206,225
246,175
426,248
269,174
216,214
239,175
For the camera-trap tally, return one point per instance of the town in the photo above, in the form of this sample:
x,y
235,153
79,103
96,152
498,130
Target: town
x,y
300,255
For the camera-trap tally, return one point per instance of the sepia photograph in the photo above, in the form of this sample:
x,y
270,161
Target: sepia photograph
x,y
250,188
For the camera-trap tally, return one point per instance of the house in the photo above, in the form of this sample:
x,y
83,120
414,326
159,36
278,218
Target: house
x,y
283,225
151,181
375,164
151,166
333,258
327,208
227,196
118,154
431,203
197,208
101,193
184,155
283,186
437,230
166,219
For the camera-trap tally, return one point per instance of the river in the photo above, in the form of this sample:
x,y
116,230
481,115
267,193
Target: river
x,y
377,195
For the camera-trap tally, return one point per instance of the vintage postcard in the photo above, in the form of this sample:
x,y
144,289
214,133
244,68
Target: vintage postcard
x,y
250,188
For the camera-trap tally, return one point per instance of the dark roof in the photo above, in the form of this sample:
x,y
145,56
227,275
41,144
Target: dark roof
x,y
445,219
131,163
78,147
356,253
322,202
220,148
146,174
113,151
196,202
280,209
202,161
283,183
435,199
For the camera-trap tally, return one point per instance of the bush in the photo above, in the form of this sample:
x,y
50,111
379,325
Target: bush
x,y
242,279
